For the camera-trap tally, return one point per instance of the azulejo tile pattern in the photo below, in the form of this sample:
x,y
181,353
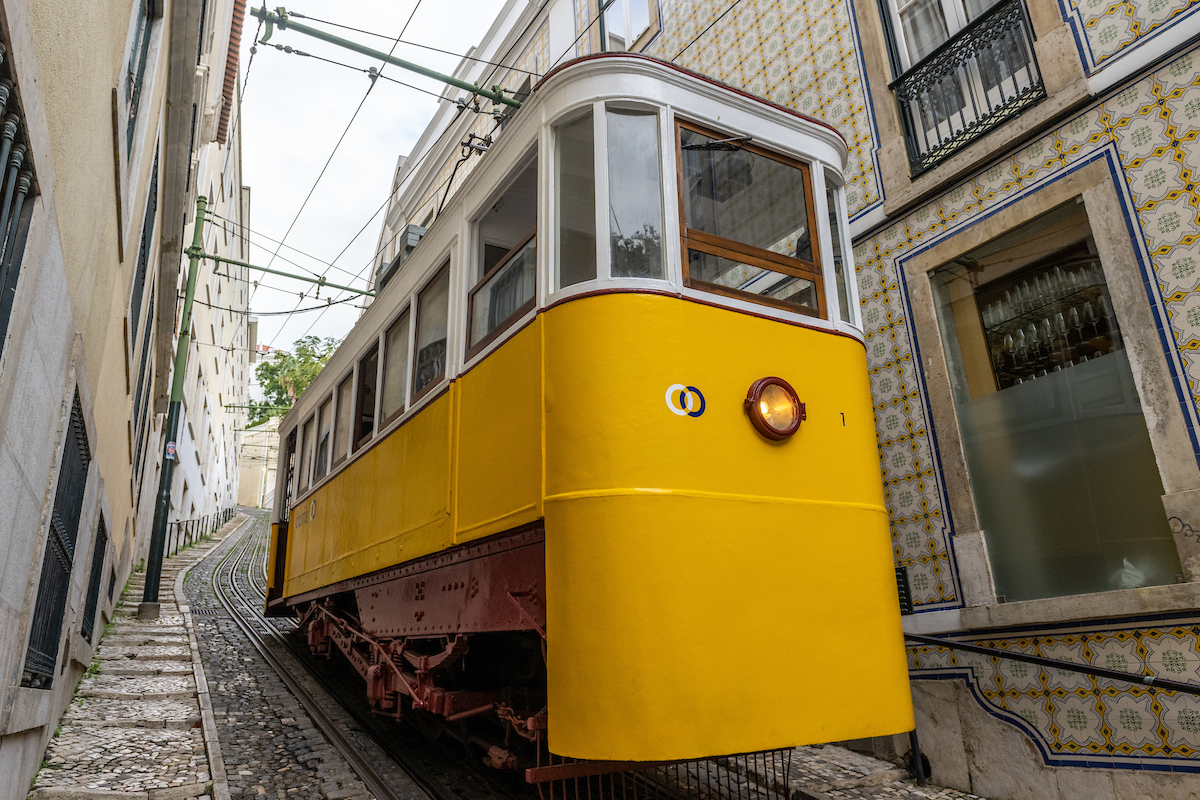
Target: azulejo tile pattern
x,y
1078,720
1105,29
799,53
1148,133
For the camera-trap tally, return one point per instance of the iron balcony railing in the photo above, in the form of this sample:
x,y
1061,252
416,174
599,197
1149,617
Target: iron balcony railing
x,y
976,80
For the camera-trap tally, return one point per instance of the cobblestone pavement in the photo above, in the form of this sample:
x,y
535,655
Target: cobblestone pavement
x,y
270,746
134,728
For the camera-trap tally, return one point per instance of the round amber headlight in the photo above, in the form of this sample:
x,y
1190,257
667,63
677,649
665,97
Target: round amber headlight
x,y
774,408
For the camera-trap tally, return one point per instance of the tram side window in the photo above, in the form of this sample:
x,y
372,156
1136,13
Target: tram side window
x,y
395,369
321,454
368,368
341,426
635,204
834,203
433,308
305,447
575,208
748,224
506,287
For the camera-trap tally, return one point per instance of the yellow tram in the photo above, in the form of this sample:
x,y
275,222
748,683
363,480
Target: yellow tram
x,y
598,463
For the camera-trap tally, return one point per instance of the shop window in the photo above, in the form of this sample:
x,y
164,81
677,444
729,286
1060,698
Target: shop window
x,y
748,223
635,195
345,416
368,371
433,306
395,368
1061,466
575,201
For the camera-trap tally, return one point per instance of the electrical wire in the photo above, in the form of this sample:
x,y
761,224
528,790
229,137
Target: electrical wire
x,y
370,72
707,29
296,310
253,232
335,149
412,44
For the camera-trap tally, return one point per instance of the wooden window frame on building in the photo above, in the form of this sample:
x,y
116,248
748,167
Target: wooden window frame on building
x,y
745,253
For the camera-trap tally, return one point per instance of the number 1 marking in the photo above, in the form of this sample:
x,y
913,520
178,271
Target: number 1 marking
x,y
843,419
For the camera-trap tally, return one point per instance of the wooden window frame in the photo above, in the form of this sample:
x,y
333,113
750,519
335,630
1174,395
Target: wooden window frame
x,y
357,442
745,253
496,332
337,407
417,394
405,317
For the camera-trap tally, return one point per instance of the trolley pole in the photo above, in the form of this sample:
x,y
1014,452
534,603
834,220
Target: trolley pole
x,y
148,608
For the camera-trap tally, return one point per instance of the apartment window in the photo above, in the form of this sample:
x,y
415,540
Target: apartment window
x,y
92,602
962,66
144,251
41,655
321,455
395,368
368,372
433,307
625,24
345,417
749,223
1062,470
136,73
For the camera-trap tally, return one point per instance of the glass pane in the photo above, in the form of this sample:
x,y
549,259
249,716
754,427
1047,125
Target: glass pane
x,y
756,280
575,184
431,333
639,17
1061,466
614,26
305,446
924,28
321,460
341,428
504,293
745,197
833,198
634,195
395,368
368,370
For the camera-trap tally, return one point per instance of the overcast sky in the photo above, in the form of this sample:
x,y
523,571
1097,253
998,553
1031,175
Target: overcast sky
x,y
294,111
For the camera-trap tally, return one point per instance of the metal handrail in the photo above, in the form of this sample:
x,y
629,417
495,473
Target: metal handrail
x,y
1086,669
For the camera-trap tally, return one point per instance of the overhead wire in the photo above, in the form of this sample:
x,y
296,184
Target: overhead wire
x,y
336,146
706,29
296,310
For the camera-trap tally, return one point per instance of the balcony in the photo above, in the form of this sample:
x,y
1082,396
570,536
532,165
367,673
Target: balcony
x,y
976,80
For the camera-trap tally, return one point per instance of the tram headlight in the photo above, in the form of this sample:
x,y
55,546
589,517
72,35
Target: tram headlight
x,y
774,408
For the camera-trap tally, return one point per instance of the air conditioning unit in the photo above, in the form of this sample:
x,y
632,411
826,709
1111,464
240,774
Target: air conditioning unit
x,y
409,238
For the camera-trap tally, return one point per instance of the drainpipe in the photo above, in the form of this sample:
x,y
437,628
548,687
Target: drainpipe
x,y
149,607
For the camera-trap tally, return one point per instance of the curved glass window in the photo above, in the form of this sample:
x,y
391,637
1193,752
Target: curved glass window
x,y
575,201
634,195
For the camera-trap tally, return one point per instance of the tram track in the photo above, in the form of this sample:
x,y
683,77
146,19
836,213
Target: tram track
x,y
438,773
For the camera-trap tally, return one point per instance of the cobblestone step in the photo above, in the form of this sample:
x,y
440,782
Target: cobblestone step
x,y
174,714
149,653
148,668
86,760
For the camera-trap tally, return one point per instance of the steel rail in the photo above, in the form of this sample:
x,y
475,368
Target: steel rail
x,y
374,782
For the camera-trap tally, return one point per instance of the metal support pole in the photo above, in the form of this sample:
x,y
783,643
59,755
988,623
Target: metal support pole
x,y
495,94
319,280
918,764
148,608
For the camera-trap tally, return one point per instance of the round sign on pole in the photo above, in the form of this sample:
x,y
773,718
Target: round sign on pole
x,y
170,450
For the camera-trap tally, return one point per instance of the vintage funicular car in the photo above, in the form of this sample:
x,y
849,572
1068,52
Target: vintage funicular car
x,y
598,463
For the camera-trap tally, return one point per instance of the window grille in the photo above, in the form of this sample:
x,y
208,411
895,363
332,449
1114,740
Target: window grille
x,y
135,76
144,252
42,653
17,184
93,595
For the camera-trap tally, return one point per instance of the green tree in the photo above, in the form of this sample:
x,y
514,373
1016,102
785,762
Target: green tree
x,y
285,376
